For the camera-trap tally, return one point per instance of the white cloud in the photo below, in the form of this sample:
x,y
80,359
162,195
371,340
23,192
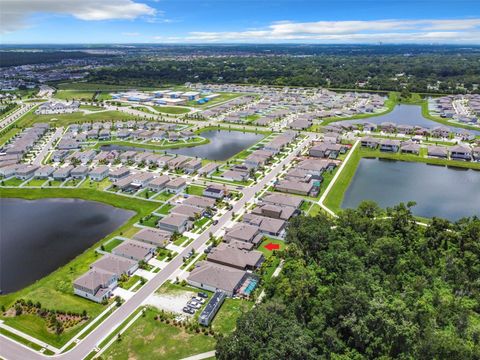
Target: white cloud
x,y
390,30
131,34
14,13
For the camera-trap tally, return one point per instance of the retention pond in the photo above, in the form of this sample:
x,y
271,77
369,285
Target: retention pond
x,y
39,236
446,192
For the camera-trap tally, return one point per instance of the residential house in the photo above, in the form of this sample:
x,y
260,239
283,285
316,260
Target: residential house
x,y
95,285
25,172
175,223
228,255
156,237
115,264
437,151
244,232
460,152
134,250
369,142
79,172
44,172
266,225
62,173
118,173
176,185
214,191
159,183
99,173
212,277
389,145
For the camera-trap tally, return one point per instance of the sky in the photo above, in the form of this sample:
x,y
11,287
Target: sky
x,y
239,21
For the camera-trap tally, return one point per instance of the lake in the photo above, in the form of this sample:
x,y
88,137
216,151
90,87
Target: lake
x,y
222,146
403,115
449,193
39,236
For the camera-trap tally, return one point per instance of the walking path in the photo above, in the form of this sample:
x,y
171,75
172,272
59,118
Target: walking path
x,y
335,177
205,355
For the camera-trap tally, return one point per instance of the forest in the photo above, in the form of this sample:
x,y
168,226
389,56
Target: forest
x,y
427,73
368,286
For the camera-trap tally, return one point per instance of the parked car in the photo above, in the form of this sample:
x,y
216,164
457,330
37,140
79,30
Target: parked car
x,y
194,304
188,310
199,299
215,222
203,295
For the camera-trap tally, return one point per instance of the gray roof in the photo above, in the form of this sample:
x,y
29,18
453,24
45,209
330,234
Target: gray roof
x,y
199,201
150,235
232,255
218,276
93,279
114,264
282,200
134,249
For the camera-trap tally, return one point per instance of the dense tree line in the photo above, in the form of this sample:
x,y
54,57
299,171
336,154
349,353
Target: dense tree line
x,y
367,286
374,72
16,58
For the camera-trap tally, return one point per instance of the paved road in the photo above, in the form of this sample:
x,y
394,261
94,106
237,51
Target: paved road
x,y
45,149
13,351
17,114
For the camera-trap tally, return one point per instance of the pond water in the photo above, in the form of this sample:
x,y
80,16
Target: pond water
x,y
404,115
223,144
445,192
39,236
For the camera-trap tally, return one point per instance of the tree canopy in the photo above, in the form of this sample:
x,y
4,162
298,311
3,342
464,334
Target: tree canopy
x,y
367,286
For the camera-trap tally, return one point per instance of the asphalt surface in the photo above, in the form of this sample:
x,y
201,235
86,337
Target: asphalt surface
x,y
13,351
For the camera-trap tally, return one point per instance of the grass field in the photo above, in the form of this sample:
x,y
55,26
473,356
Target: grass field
x,y
55,290
226,318
7,134
175,110
194,190
75,95
151,339
76,117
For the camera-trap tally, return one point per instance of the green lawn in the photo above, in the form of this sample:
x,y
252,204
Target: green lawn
x,y
150,220
91,107
315,210
165,209
36,182
194,190
267,253
96,185
176,110
55,291
8,133
77,117
12,182
132,280
151,339
112,245
226,319
54,183
180,240
35,325
164,196
74,95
